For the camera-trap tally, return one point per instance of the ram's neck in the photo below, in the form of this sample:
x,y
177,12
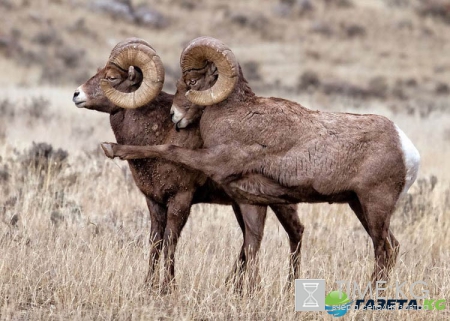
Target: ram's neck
x,y
241,94
189,137
148,125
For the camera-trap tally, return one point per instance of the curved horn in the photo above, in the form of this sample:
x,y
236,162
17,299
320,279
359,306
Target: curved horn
x,y
138,53
196,54
133,40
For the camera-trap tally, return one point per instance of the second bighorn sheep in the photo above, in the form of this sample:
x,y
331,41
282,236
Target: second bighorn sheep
x,y
129,89
274,151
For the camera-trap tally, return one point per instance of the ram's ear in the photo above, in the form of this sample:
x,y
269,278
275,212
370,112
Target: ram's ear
x,y
131,73
212,70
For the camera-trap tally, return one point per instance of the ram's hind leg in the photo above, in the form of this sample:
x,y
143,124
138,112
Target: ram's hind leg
x,y
395,246
238,266
356,206
254,221
377,207
158,220
288,217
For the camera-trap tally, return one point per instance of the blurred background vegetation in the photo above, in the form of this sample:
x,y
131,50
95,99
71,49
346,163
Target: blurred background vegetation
x,y
368,49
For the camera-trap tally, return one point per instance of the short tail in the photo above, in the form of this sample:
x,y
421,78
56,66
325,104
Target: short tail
x,y
411,158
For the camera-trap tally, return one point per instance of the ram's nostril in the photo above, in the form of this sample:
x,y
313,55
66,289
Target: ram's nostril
x,y
76,93
171,112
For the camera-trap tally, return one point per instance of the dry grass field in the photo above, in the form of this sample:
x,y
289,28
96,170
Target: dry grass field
x,y
74,228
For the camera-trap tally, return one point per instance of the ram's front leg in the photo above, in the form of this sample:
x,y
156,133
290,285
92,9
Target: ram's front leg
x,y
128,152
219,162
178,211
158,218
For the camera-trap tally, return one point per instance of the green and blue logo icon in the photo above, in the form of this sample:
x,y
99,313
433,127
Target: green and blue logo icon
x,y
337,303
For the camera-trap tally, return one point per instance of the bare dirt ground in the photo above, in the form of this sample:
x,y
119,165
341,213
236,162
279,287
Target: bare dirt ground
x,y
73,230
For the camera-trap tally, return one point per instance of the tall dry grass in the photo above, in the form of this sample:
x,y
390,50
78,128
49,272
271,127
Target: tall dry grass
x,y
73,236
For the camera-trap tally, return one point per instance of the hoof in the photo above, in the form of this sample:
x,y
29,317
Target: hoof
x,y
107,149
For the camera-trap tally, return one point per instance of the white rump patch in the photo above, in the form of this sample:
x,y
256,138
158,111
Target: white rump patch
x,y
411,158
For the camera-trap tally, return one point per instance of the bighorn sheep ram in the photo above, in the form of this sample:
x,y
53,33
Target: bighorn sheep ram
x,y
129,89
274,151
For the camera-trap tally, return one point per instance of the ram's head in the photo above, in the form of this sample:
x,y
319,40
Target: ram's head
x,y
210,73
132,77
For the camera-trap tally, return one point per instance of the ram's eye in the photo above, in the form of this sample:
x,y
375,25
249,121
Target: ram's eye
x,y
111,78
192,82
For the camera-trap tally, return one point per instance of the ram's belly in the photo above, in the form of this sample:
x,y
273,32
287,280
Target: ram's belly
x,y
258,189
326,168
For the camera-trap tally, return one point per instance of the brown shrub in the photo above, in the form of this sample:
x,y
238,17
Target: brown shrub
x,y
41,156
142,14
309,80
10,45
354,30
6,109
38,108
435,8
253,21
146,16
4,175
378,87
70,56
339,3
399,90
344,88
442,89
251,70
2,133
7,4
80,27
293,7
418,201
47,37
117,9
322,28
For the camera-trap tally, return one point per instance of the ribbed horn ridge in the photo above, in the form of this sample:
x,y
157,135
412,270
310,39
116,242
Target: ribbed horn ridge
x,y
196,54
129,41
138,53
